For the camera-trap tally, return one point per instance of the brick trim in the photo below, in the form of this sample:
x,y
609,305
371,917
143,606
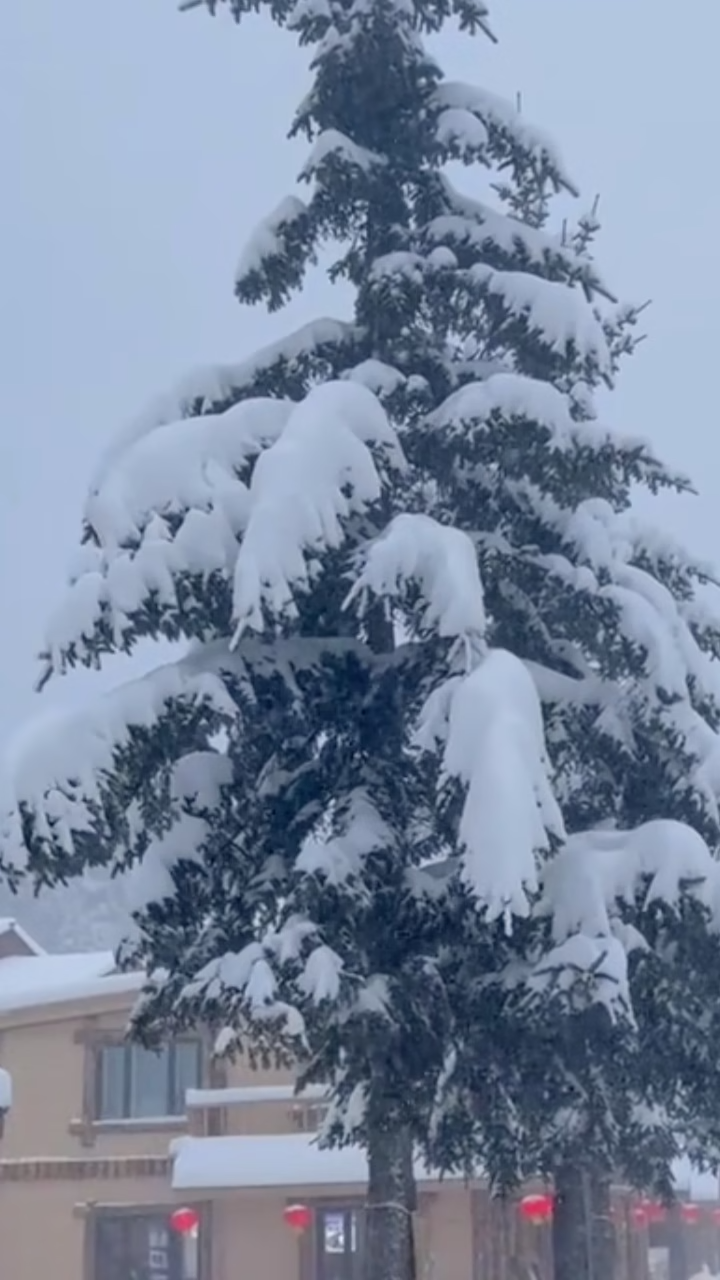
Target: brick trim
x,y
64,1168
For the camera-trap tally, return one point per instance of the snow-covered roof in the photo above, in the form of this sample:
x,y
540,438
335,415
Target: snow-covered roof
x,y
275,1160
31,981
9,925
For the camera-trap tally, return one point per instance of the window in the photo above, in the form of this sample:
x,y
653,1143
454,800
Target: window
x,y
131,1246
308,1119
133,1083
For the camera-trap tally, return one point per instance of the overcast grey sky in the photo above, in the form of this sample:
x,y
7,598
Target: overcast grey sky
x,y
140,146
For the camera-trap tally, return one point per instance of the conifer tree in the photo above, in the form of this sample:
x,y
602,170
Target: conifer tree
x,y
444,703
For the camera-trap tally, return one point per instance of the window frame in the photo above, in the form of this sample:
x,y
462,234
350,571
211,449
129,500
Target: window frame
x,y
172,1100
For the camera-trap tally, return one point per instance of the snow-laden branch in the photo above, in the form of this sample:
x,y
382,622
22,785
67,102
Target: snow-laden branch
x,y
219,385
490,722
358,829
561,317
441,561
588,882
319,472
596,871
503,119
61,764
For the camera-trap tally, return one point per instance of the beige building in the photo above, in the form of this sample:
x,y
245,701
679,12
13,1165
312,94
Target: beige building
x,y
104,1142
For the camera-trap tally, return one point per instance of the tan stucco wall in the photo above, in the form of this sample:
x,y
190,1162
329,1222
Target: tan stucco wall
x,y
250,1239
47,1072
42,1234
445,1235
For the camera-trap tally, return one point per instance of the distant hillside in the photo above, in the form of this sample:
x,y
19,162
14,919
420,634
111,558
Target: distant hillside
x,y
89,914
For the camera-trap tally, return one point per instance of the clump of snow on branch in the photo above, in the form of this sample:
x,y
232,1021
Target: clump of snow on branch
x,y
340,855
217,384
463,131
561,316
320,978
188,464
588,882
331,143
597,871
489,720
441,561
174,502
196,783
515,397
269,239
491,724
320,471
498,113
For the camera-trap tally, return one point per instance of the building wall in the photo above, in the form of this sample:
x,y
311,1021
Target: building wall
x,y
43,1225
250,1239
48,1062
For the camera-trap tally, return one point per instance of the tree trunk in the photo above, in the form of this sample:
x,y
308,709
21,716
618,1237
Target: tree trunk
x,y
389,1236
571,1235
583,1233
603,1245
678,1261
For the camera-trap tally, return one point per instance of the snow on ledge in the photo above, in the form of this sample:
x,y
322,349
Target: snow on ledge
x,y
694,1184
195,1099
5,1090
277,1160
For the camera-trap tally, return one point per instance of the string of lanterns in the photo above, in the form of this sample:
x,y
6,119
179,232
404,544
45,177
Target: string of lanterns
x,y
538,1211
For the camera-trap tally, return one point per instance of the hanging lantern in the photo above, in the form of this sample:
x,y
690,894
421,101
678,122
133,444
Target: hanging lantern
x,y
298,1217
715,1215
655,1211
690,1214
537,1209
639,1214
185,1220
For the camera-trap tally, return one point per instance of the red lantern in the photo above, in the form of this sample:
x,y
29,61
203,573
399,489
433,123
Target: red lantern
x,y
655,1211
186,1221
690,1214
639,1214
715,1215
537,1209
298,1217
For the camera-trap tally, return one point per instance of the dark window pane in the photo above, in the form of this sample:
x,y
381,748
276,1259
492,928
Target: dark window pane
x,y
187,1065
111,1090
130,1247
149,1083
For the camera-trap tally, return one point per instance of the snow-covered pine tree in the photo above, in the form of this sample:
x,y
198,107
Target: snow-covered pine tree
x,y
411,526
